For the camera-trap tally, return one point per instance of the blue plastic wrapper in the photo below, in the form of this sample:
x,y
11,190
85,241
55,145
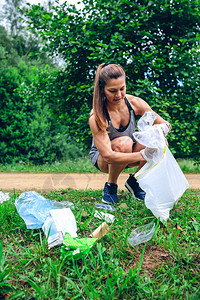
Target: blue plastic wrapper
x,y
104,206
33,208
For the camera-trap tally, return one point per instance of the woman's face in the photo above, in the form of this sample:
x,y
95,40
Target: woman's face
x,y
115,90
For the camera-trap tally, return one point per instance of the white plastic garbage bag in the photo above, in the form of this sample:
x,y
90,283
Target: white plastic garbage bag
x,y
164,184
161,178
150,136
146,120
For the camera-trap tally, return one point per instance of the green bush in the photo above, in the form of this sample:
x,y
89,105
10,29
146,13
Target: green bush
x,y
13,121
182,110
71,105
28,131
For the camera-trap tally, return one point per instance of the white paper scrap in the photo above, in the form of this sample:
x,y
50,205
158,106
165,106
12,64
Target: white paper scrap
x,y
4,197
104,216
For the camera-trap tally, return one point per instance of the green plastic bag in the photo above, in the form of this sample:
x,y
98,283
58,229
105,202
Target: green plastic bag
x,y
76,248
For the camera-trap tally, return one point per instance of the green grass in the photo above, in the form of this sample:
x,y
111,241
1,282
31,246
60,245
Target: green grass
x,y
166,267
81,165
187,166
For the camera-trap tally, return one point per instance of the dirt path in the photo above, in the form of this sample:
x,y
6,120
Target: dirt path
x,y
50,182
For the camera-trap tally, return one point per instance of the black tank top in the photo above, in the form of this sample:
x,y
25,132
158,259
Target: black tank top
x,y
127,130
114,133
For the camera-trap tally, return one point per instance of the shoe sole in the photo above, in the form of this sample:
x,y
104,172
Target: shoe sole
x,y
131,191
104,201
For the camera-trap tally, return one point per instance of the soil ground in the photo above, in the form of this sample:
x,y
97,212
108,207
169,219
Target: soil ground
x,y
56,182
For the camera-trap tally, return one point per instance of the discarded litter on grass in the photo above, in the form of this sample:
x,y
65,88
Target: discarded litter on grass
x,y
33,208
63,204
101,231
76,248
4,196
57,224
105,206
141,234
104,216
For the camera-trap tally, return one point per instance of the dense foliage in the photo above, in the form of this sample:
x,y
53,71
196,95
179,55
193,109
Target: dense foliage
x,y
27,130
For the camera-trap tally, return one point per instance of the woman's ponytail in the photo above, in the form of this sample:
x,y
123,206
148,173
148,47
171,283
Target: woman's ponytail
x,y
104,73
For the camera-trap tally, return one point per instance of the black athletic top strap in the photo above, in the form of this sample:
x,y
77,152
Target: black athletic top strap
x,y
129,107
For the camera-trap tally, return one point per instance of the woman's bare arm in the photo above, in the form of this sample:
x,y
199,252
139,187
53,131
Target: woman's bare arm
x,y
103,144
140,107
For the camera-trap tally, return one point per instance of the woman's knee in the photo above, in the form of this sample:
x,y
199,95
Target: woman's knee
x,y
122,144
102,165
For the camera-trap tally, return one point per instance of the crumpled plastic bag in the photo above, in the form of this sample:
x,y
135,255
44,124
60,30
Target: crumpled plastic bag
x,y
33,208
57,224
62,204
146,120
151,136
161,178
76,248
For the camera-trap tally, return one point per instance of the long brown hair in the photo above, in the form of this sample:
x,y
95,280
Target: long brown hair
x,y
103,74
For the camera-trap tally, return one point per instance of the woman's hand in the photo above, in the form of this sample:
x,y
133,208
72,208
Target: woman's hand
x,y
148,153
